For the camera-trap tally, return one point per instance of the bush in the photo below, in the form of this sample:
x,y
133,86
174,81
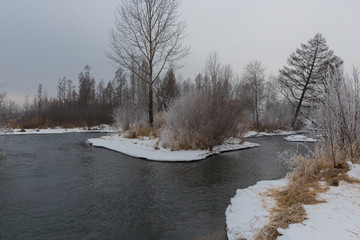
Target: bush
x,y
201,120
128,115
143,129
338,116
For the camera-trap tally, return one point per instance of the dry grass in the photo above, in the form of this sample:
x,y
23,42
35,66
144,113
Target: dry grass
x,y
311,175
143,129
289,206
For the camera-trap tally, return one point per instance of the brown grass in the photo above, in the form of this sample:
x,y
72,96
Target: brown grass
x,y
143,129
312,174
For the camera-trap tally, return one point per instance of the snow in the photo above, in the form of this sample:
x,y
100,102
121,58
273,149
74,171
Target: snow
x,y
337,218
145,148
59,130
268,134
299,138
247,214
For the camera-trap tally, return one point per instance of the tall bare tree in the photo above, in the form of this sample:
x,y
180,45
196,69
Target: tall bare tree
x,y
254,77
302,81
147,30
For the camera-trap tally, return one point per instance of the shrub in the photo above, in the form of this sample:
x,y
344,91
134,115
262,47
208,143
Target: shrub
x,y
201,120
338,116
143,129
128,115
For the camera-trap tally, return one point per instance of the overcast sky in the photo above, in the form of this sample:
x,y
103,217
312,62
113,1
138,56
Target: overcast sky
x,y
44,40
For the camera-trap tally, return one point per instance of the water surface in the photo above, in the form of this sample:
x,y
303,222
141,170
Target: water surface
x,y
58,187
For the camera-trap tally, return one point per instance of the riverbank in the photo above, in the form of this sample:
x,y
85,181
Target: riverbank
x,y
149,149
59,130
336,218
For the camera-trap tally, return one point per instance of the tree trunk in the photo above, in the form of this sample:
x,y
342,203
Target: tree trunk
x,y
151,114
304,90
256,109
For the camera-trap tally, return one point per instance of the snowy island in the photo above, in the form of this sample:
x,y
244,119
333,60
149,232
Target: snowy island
x,y
146,148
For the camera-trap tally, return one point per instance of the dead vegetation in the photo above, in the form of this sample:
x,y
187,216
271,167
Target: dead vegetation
x,y
311,175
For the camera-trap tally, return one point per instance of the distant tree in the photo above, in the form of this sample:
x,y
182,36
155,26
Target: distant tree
x,y
100,92
199,81
120,86
61,94
71,94
168,91
302,81
86,88
4,118
39,101
254,77
86,98
109,95
147,30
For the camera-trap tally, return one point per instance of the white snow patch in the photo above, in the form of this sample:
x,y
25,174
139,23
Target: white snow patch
x,y
354,171
59,130
145,148
299,138
337,218
248,212
268,134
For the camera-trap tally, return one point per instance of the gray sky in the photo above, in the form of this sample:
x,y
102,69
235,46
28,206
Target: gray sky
x,y
44,40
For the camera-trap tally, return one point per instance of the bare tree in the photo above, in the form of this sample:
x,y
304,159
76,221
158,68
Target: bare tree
x,y
303,80
147,30
9,111
339,117
254,76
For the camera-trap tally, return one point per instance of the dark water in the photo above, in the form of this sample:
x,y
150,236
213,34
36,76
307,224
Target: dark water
x,y
58,187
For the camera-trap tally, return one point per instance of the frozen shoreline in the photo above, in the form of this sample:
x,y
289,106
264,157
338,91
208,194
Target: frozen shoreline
x,y
251,134
145,148
337,218
299,138
59,130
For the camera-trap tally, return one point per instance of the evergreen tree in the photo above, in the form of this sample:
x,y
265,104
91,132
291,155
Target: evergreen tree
x,y
302,81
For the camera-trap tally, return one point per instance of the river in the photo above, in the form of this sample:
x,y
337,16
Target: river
x,y
58,187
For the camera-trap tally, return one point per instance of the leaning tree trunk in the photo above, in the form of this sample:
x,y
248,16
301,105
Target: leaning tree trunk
x,y
304,90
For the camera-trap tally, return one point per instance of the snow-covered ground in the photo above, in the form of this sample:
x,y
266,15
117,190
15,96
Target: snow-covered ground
x,y
267,134
299,138
145,148
59,130
337,218
248,211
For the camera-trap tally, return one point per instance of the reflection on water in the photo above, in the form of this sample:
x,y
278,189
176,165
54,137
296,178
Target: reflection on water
x,y
57,187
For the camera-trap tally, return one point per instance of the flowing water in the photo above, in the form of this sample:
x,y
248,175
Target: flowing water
x,y
58,187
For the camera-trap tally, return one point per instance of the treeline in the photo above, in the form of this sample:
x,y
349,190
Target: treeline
x,y
90,102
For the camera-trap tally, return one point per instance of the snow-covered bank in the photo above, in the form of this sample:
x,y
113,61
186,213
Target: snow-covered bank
x,y
299,138
268,134
337,218
58,130
248,211
145,148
